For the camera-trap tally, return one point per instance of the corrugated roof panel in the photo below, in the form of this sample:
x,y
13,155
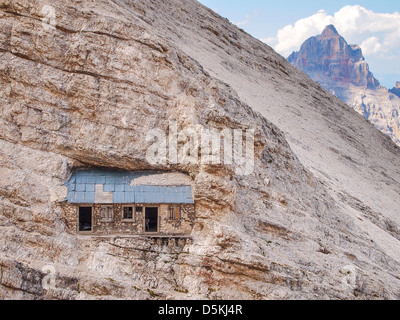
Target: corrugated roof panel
x,y
189,199
90,187
172,200
79,197
100,179
92,179
119,188
118,197
122,179
70,196
80,187
154,197
172,190
81,178
139,197
148,188
175,198
129,197
139,188
109,188
183,189
128,187
147,198
89,197
163,190
110,179
182,197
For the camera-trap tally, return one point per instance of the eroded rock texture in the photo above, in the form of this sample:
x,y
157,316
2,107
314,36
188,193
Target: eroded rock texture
x,y
318,218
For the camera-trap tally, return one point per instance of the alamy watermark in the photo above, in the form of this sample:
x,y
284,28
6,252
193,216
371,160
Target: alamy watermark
x,y
49,17
190,146
49,280
197,145
350,276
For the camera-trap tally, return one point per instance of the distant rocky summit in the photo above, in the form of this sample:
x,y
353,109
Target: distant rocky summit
x,y
328,59
396,89
341,69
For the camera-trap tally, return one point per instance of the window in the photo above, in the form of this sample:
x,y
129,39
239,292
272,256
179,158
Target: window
x,y
128,213
107,213
175,213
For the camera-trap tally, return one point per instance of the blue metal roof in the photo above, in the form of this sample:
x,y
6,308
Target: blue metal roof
x,y
84,185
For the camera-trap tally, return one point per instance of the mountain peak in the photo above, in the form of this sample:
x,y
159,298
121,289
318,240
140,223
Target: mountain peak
x,y
329,31
396,89
333,62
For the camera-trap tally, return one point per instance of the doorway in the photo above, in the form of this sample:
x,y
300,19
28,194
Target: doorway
x,y
151,220
85,219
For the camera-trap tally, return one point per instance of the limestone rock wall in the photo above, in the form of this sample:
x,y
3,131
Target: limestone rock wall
x,y
86,92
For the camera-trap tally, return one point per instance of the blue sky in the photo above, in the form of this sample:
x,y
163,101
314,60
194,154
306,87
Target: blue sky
x,y
284,25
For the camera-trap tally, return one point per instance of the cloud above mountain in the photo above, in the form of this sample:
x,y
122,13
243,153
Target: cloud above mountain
x,y
248,18
377,33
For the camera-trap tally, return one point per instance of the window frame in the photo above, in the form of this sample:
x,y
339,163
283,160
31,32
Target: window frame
x,y
172,214
133,219
112,213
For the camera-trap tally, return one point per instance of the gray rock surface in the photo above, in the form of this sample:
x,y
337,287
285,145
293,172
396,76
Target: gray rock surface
x,y
318,218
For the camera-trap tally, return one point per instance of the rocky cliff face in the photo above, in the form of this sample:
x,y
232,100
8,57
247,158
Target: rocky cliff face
x,y
341,69
82,83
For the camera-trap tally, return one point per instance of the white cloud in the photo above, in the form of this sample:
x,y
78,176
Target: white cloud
x,y
243,22
377,33
372,46
270,41
247,18
291,37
